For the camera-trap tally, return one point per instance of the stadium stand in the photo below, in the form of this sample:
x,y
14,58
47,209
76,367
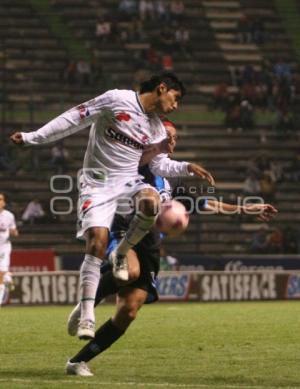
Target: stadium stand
x,y
31,54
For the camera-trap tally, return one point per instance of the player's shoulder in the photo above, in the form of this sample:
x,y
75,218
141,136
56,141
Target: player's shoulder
x,y
7,214
123,94
116,96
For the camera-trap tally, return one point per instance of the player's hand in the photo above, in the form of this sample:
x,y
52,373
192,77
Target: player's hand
x,y
264,212
199,171
17,138
167,145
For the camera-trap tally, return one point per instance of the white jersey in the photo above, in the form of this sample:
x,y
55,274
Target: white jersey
x,y
120,130
7,222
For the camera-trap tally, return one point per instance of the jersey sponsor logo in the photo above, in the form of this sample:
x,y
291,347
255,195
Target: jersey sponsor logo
x,y
125,140
83,111
123,116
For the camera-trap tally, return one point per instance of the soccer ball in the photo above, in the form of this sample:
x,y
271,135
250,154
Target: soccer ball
x,y
173,218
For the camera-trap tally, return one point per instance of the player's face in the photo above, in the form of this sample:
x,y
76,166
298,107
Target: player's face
x,y
168,99
172,135
2,202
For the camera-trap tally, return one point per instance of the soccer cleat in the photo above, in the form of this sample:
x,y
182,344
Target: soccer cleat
x,y
78,368
120,266
73,321
86,329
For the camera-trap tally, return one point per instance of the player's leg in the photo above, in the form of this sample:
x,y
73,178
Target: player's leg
x,y
96,243
108,285
96,209
129,302
2,287
4,268
147,203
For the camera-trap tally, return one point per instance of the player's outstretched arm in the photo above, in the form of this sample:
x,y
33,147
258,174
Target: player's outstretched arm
x,y
164,166
263,212
199,171
17,138
66,124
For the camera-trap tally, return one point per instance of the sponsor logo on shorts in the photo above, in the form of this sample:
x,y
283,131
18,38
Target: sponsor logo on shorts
x,y
125,140
293,287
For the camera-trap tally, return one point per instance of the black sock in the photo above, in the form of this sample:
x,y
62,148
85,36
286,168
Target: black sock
x,y
105,336
107,286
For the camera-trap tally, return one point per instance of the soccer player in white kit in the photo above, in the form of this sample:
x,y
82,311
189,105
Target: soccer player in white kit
x,y
7,229
123,124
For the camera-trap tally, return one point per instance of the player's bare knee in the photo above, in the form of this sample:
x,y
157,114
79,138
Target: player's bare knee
x,y
149,202
129,312
134,273
96,243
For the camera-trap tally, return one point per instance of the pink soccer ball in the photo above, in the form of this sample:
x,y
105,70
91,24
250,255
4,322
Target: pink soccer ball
x,y
173,218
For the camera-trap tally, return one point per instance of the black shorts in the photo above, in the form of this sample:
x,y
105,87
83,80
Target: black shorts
x,y
148,253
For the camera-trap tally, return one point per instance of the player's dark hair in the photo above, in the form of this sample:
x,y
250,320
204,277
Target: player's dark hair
x,y
171,81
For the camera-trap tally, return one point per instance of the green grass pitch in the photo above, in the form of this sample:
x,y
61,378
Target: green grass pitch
x,y
230,345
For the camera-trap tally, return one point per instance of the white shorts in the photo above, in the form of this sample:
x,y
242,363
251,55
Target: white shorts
x,y
97,205
5,251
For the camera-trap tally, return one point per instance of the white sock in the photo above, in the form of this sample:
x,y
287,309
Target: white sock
x,y
138,228
2,290
89,280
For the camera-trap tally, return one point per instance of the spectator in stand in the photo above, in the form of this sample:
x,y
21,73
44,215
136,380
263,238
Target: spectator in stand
x,y
292,173
290,241
182,35
84,72
233,114
252,185
268,188
182,38
259,243
103,30
248,75
244,30
128,9
136,31
275,242
167,40
246,115
6,162
167,62
282,70
265,78
248,92
177,10
258,31
221,96
146,10
59,158
153,59
236,76
162,10
70,72
33,212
